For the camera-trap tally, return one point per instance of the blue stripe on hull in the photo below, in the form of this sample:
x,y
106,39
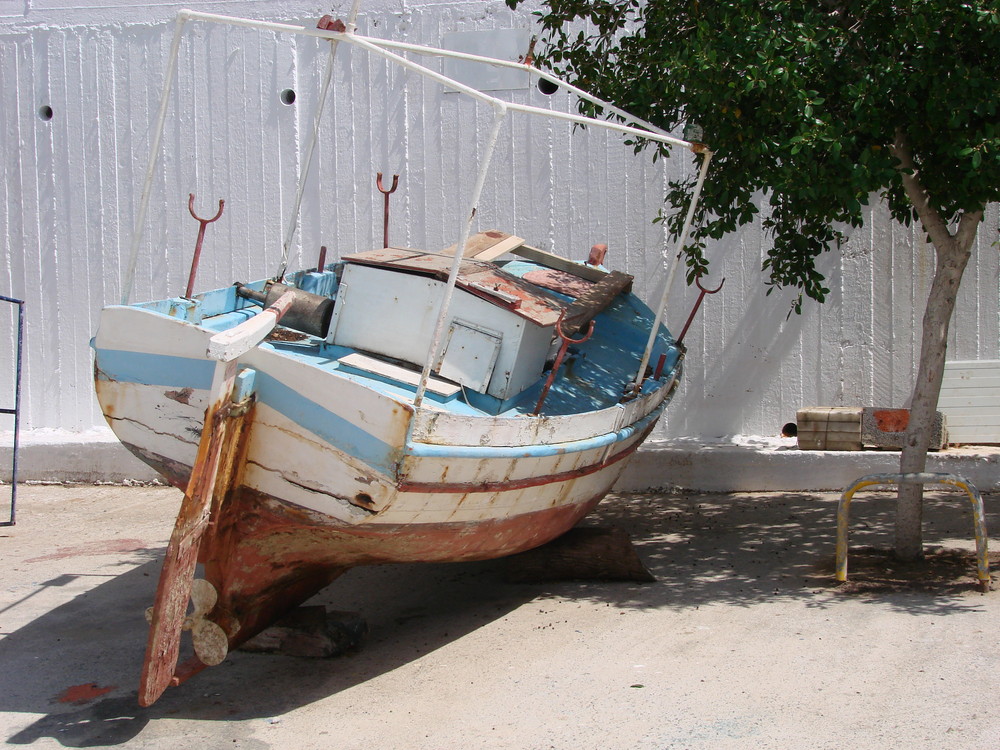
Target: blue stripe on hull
x,y
155,369
181,372
332,428
429,450
167,371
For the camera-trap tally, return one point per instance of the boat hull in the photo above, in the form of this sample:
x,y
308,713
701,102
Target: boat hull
x,y
362,460
331,471
445,507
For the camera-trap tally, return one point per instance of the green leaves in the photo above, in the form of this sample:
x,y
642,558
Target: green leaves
x,y
800,101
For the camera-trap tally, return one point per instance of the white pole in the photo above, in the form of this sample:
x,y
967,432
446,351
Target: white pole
x,y
500,112
531,70
154,155
374,45
293,220
640,376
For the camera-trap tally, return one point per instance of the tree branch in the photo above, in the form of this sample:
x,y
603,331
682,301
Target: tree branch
x,y
930,217
968,225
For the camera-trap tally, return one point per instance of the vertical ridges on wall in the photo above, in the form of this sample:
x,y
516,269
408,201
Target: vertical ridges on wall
x,y
71,187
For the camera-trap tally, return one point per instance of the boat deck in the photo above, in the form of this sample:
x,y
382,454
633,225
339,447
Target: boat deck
x,y
593,375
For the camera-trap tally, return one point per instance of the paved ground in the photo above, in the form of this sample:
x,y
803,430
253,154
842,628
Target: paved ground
x,y
742,642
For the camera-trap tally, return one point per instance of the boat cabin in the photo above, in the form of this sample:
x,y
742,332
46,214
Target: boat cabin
x,y
499,329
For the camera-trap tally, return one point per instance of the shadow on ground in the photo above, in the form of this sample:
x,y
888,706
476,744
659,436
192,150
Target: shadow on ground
x,y
737,550
750,548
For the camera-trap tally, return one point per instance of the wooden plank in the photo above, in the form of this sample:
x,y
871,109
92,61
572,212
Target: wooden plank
x,y
550,260
394,372
970,395
443,428
487,245
501,248
235,342
594,301
174,588
981,380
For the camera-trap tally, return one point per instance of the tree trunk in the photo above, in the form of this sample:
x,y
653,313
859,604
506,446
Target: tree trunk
x,y
953,252
951,262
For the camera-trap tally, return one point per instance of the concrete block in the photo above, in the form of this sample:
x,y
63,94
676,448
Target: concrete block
x,y
832,428
885,428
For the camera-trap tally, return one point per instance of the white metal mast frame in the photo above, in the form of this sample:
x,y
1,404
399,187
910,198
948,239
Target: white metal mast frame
x,y
383,48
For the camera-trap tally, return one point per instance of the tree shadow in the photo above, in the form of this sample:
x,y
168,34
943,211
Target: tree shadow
x,y
751,548
743,550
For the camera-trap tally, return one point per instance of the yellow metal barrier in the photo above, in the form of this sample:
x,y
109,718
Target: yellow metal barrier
x,y
978,515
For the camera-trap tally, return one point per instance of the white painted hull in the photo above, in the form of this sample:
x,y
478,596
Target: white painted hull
x,y
329,445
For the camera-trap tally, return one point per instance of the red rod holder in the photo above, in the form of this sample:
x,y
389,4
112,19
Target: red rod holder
x,y
201,238
385,205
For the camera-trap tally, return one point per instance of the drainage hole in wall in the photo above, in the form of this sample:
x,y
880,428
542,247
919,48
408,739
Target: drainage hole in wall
x,y
288,96
45,113
547,87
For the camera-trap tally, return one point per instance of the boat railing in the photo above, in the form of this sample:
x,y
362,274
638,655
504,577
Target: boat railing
x,y
337,32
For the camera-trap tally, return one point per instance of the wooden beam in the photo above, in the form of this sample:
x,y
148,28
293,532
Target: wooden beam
x,y
488,245
594,301
550,260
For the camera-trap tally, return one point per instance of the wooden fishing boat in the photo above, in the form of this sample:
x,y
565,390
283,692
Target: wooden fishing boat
x,y
396,405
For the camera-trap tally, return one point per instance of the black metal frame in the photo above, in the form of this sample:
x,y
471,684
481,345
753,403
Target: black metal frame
x,y
16,411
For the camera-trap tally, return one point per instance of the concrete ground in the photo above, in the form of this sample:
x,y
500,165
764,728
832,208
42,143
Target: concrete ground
x,y
742,642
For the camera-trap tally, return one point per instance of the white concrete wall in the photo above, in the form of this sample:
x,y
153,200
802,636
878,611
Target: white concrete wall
x,y
70,189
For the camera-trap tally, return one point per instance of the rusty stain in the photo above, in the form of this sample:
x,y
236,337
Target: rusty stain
x,y
363,500
892,420
80,694
183,396
102,547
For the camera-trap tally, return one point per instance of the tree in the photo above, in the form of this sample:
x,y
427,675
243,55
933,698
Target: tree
x,y
816,105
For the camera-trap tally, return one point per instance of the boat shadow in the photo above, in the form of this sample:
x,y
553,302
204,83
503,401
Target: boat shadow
x,y
736,550
78,664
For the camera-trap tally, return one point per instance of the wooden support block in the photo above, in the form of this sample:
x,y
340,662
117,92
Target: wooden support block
x,y
582,553
594,301
311,632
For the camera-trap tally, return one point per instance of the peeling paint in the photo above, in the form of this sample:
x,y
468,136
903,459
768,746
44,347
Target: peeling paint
x,y
182,396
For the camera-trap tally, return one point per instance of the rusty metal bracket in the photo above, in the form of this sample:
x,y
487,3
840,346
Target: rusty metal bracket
x,y
978,515
201,238
698,302
385,204
566,341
